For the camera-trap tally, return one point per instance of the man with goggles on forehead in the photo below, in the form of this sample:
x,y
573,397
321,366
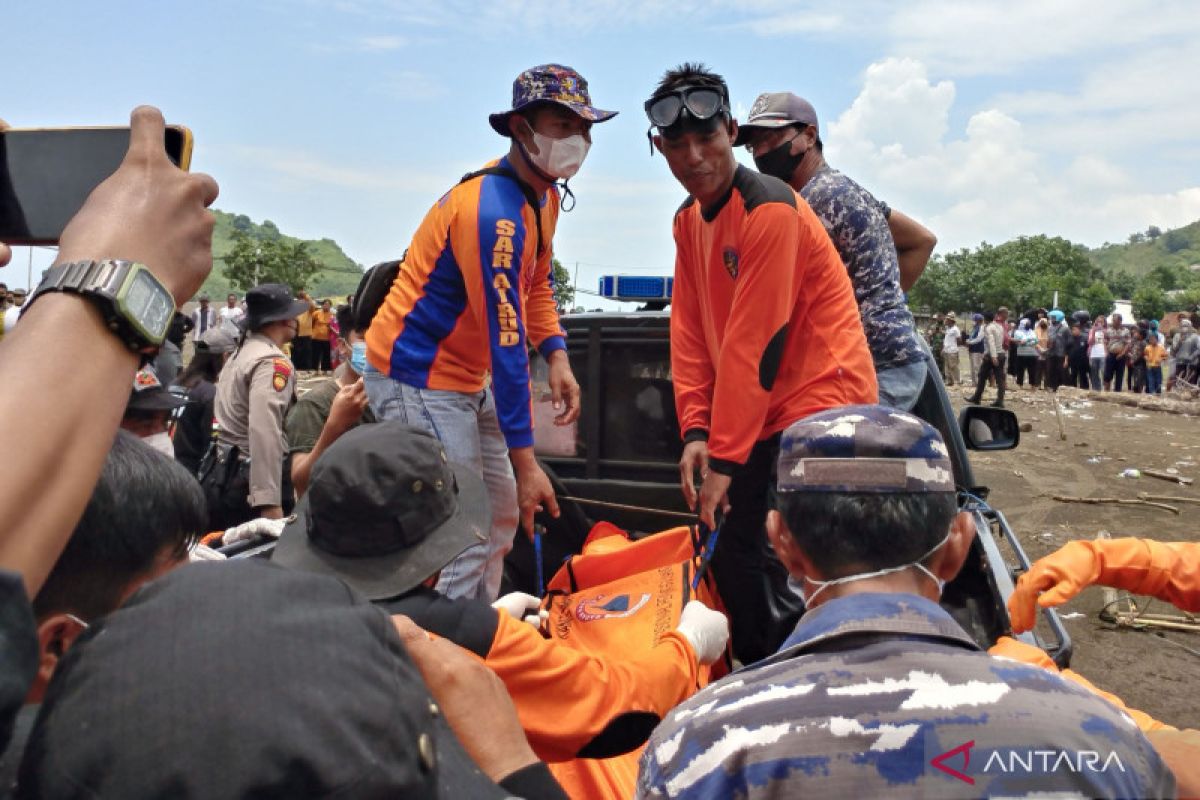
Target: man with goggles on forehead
x,y
764,332
883,250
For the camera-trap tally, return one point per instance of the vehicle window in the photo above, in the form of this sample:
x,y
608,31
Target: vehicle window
x,y
550,439
639,422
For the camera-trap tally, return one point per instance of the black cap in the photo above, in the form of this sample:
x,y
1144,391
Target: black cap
x,y
241,679
384,511
149,394
271,302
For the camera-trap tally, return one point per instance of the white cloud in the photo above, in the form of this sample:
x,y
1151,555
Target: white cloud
x,y
898,106
995,180
381,43
981,37
312,172
790,24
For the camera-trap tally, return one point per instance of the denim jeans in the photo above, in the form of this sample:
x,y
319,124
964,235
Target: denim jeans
x,y
1154,380
899,387
1096,365
469,429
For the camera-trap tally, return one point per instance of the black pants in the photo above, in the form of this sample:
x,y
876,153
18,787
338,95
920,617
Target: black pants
x,y
762,610
1055,372
1080,373
302,352
227,489
320,354
1137,376
989,370
1026,365
1114,371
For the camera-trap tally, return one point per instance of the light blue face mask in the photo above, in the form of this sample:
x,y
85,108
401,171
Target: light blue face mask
x,y
798,586
358,357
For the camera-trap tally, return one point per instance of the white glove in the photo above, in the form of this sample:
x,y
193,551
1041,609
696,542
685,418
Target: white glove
x,y
255,529
203,552
522,606
705,629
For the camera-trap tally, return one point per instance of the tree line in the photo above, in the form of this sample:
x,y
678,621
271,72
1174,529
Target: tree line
x,y
1026,272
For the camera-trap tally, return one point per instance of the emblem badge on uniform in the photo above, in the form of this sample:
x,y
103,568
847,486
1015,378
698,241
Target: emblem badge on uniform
x,y
731,262
283,371
600,607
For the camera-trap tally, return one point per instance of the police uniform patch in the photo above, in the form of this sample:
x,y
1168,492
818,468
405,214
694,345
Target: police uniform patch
x,y
730,257
283,371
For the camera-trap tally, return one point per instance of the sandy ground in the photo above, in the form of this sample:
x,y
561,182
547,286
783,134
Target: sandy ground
x,y
1104,439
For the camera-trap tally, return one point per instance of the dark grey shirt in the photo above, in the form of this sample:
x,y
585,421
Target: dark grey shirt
x,y
885,695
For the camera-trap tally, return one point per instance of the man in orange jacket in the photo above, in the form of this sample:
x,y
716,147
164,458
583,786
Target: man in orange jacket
x,y
385,512
765,331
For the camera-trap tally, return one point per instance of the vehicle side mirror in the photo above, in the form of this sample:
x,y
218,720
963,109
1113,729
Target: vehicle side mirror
x,y
986,428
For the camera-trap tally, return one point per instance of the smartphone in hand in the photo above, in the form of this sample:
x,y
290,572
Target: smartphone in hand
x,y
46,174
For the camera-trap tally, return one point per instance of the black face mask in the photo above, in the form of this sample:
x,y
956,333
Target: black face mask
x,y
780,162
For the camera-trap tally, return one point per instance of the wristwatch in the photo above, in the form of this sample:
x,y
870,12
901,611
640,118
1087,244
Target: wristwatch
x,y
135,305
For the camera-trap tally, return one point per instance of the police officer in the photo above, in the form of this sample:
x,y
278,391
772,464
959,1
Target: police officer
x,y
246,476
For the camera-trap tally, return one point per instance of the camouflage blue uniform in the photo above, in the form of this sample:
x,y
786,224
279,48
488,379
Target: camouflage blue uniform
x,y
857,223
866,695
884,694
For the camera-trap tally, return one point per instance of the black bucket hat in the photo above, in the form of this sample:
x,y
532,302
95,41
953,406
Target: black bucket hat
x,y
271,302
384,511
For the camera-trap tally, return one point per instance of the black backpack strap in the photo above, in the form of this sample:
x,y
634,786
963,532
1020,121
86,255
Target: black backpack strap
x,y
372,290
526,190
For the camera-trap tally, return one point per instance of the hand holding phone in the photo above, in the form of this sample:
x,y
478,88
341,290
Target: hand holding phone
x,y
148,211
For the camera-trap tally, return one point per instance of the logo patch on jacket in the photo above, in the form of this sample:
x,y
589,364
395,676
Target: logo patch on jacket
x,y
730,258
603,607
283,371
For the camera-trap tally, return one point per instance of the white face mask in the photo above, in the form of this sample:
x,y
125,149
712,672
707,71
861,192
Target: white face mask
x,y
162,443
558,158
798,587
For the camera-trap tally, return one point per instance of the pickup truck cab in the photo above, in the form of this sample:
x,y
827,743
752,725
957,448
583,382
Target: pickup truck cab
x,y
623,456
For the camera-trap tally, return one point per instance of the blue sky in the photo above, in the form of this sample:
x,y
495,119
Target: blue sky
x,y
348,119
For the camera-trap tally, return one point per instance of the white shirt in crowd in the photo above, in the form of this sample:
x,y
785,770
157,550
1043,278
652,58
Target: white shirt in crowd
x,y
1099,338
202,322
951,339
227,314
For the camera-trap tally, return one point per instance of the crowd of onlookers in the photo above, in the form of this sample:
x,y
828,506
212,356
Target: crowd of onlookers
x,y
1045,349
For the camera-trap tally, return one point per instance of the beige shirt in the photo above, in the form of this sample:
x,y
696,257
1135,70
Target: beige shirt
x,y
256,388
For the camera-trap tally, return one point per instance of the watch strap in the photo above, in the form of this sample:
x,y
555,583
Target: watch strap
x,y
98,281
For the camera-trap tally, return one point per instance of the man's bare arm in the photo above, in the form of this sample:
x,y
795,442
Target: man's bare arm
x,y
148,211
914,245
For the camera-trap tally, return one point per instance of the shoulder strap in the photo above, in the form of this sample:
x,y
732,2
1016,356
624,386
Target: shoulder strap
x,y
526,190
372,289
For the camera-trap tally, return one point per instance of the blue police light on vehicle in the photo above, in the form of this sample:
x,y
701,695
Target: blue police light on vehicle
x,y
637,288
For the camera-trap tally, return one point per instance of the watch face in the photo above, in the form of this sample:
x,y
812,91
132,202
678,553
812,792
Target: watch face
x,y
150,304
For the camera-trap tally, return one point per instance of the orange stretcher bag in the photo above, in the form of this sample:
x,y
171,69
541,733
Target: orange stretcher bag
x,y
617,598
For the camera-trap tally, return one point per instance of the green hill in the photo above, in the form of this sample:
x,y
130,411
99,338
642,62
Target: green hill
x,y
339,277
1174,248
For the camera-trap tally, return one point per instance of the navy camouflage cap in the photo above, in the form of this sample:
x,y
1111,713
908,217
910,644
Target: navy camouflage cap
x,y
550,83
864,449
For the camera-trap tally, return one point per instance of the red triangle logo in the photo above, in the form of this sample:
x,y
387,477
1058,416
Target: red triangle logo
x,y
939,762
